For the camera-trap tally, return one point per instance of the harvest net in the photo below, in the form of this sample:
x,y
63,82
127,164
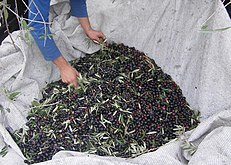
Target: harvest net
x,y
125,105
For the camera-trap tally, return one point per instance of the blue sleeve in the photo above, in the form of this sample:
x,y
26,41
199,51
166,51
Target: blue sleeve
x,y
78,8
39,11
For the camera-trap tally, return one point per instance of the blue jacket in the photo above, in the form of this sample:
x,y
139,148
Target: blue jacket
x,y
39,11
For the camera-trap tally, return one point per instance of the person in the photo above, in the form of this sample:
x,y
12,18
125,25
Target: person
x,y
38,14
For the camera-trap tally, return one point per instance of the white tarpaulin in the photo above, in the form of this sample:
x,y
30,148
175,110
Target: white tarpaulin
x,y
169,31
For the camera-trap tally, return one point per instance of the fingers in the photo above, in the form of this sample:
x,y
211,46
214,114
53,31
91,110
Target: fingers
x,y
97,37
101,35
74,80
74,83
77,73
69,75
97,40
64,81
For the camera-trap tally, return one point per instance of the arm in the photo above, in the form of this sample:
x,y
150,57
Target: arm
x,y
67,72
92,34
79,9
39,11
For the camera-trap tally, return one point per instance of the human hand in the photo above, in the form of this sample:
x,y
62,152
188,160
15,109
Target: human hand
x,y
95,36
67,72
69,75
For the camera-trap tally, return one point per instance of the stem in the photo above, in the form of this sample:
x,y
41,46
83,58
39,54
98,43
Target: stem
x,y
44,105
7,27
19,18
228,4
47,23
214,13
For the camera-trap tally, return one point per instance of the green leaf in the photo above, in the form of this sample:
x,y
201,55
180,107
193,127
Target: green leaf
x,y
4,151
121,142
41,37
5,12
1,108
8,110
26,29
122,120
45,36
51,35
204,29
35,103
24,25
12,96
167,90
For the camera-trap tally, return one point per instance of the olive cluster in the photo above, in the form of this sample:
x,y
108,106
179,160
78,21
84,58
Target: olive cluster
x,y
125,105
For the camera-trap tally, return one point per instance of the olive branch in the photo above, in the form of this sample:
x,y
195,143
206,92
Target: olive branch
x,y
24,27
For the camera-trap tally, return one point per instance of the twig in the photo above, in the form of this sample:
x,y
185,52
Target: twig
x,y
5,19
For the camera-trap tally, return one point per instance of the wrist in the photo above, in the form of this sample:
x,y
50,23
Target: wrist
x,y
85,23
61,63
88,31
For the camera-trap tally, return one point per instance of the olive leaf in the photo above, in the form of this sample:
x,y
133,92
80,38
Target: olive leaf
x,y
205,29
5,13
117,109
11,95
35,104
189,147
1,108
26,32
4,151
